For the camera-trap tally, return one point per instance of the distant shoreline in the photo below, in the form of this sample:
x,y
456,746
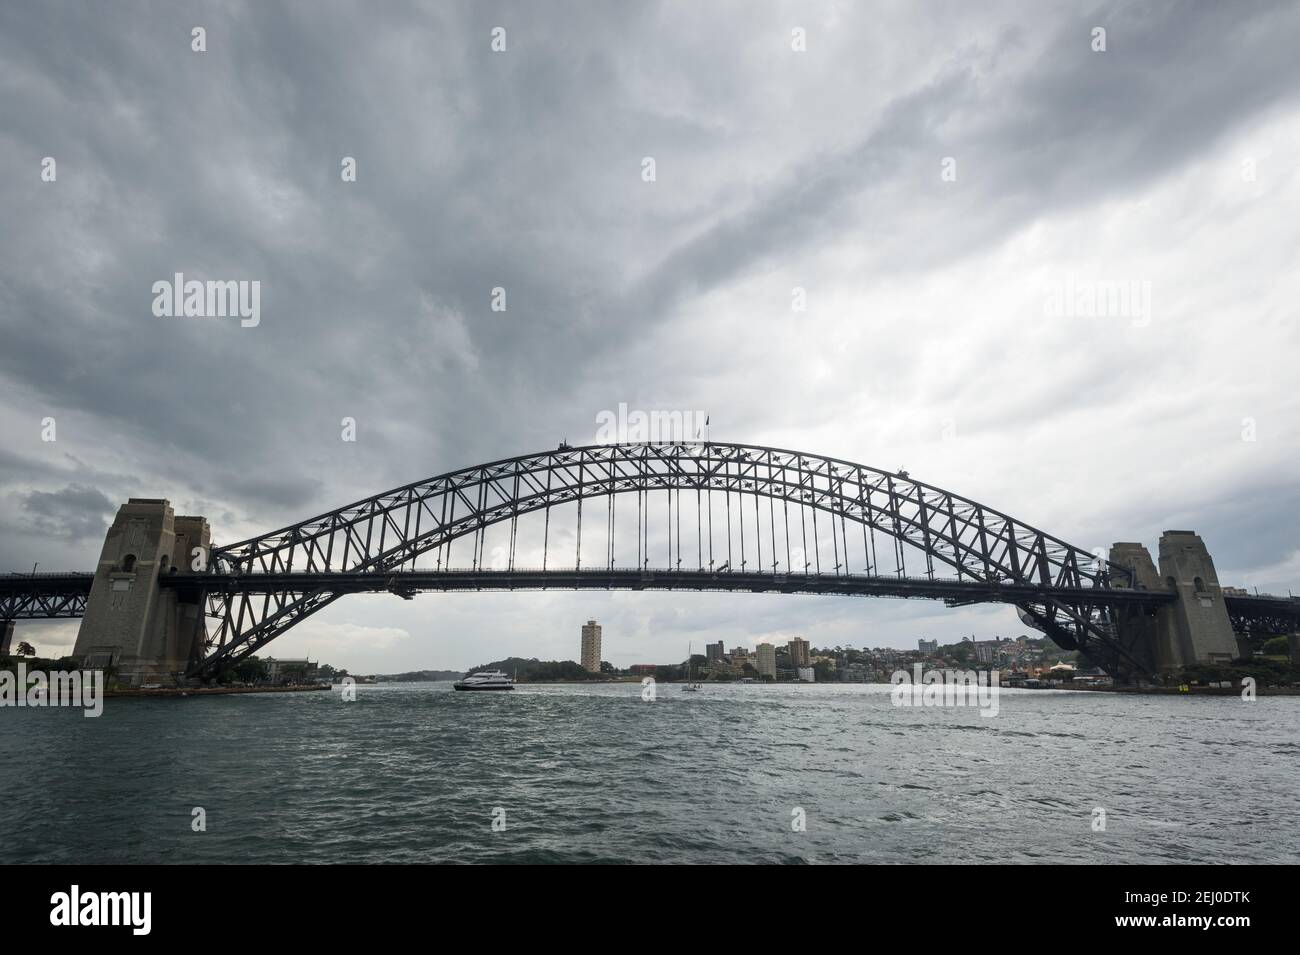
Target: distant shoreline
x,y
1140,690
172,691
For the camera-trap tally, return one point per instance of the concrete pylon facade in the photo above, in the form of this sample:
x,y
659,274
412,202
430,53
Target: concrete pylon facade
x,y
1195,628
148,633
1199,622
1138,628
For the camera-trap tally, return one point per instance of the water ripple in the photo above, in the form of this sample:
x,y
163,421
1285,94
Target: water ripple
x,y
785,775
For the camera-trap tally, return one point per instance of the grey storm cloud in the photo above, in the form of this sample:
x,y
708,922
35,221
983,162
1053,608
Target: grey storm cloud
x,y
521,170
76,513
1071,135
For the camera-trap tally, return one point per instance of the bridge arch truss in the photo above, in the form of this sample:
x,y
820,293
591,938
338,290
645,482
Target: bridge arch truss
x,y
874,518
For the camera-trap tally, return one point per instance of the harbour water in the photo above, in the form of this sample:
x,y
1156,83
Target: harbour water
x,y
575,773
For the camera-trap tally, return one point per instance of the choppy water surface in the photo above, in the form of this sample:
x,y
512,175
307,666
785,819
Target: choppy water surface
x,y
412,773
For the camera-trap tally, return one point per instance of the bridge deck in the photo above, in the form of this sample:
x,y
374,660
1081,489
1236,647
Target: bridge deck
x,y
26,596
410,581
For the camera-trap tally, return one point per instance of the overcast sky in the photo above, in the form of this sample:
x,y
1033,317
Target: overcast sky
x,y
938,177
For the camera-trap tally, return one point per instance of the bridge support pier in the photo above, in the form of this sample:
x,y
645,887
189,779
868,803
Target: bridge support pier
x,y
6,636
147,633
1195,627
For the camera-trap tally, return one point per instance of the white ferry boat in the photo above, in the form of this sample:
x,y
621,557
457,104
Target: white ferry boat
x,y
485,680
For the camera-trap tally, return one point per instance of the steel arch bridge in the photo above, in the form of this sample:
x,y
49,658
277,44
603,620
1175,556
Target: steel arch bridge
x,y
766,519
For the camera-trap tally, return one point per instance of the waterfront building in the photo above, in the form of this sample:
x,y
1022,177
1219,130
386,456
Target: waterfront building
x,y
296,670
766,665
807,674
591,646
715,652
857,673
799,652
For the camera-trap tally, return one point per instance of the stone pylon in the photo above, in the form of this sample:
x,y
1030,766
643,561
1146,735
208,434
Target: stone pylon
x,y
1198,623
1194,628
147,633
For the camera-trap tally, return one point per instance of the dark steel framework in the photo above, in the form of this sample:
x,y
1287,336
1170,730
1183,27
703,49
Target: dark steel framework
x,y
1263,616
871,514
44,596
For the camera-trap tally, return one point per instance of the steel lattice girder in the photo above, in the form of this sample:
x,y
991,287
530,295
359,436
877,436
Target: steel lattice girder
x,y
1263,616
33,606
44,596
393,528
390,530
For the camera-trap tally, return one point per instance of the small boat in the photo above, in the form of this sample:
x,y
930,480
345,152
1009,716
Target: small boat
x,y
691,686
485,680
